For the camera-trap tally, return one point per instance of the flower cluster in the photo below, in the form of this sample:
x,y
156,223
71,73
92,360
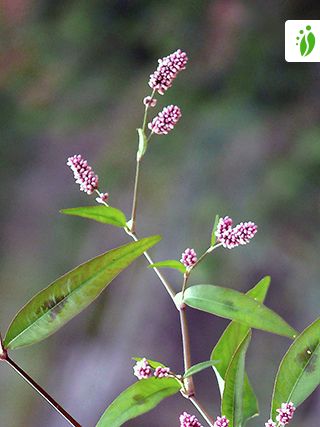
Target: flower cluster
x,y
161,372
166,120
221,422
143,370
189,257
285,415
231,237
83,174
187,420
168,69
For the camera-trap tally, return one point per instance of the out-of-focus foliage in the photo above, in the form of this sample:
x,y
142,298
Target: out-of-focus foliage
x,y
72,78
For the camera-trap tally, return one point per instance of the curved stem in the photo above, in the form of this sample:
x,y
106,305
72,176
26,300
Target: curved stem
x,y
202,411
42,392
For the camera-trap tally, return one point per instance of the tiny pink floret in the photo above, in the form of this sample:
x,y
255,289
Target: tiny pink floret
x,y
161,372
270,423
286,413
166,120
142,369
189,257
168,69
221,422
149,102
231,237
103,198
83,174
187,420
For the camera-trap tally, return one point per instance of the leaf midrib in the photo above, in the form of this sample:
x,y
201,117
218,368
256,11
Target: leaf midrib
x,y
74,291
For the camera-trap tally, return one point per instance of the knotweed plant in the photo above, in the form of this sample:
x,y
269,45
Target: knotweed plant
x,y
153,381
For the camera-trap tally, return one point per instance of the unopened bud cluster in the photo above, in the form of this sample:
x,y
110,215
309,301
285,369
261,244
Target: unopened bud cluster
x,y
285,415
166,120
187,420
83,174
168,69
221,422
231,237
143,370
189,257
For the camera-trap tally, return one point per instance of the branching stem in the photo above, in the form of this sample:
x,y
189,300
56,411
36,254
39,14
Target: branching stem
x,y
202,411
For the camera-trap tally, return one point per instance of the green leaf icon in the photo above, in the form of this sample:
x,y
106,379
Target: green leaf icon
x,y
307,44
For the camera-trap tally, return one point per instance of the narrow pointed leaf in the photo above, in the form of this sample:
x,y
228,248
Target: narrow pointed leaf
x,y
54,306
299,372
104,214
232,399
214,229
170,263
228,344
234,305
199,367
139,398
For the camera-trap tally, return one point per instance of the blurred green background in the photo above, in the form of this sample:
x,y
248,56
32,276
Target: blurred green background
x,y
72,78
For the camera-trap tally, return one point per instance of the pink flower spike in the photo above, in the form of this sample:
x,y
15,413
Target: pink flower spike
x,y
103,198
142,369
149,102
168,69
286,413
161,372
189,257
83,174
166,120
221,422
270,423
187,420
230,237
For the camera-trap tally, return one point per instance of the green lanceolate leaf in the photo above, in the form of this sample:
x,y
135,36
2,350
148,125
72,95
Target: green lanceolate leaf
x,y
234,305
214,229
143,144
199,367
153,363
139,398
54,306
104,214
232,399
224,350
170,263
299,371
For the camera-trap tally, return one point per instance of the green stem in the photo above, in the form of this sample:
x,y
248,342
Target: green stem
x,y
164,281
135,198
202,411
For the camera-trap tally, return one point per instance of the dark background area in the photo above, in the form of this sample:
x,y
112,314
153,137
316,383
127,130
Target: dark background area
x,y
72,78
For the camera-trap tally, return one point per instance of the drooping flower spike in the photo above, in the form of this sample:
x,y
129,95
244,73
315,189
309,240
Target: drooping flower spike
x,y
142,369
187,420
189,257
83,174
231,237
166,120
168,69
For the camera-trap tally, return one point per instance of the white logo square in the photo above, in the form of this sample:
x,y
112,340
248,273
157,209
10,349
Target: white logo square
x,y
302,40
